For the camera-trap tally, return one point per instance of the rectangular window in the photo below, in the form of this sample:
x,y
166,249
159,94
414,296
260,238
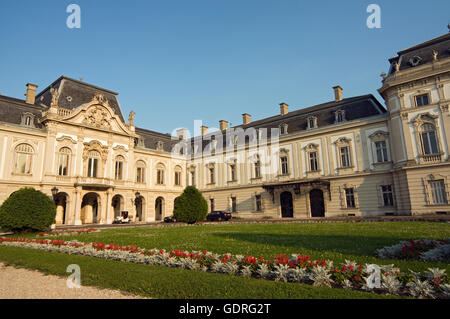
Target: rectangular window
x,y
63,164
23,163
211,201
350,197
258,203
313,162
233,204
92,167
258,169
193,178
381,150
422,100
232,172
119,171
388,197
212,179
430,146
438,192
177,178
284,165
160,177
140,173
345,157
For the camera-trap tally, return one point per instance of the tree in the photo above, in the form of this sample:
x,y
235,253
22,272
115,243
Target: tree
x,y
191,206
27,210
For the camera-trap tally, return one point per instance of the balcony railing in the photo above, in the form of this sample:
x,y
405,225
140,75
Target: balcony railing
x,y
64,112
432,158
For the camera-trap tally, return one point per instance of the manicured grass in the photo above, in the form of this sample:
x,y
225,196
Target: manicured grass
x,y
332,241
163,282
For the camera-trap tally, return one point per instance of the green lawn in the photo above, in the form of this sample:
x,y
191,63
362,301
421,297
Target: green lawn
x,y
333,241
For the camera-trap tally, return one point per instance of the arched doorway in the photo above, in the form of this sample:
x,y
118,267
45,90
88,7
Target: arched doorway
x,y
90,209
61,208
317,203
118,205
287,206
159,209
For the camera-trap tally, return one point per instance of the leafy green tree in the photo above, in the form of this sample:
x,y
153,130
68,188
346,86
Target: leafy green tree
x,y
191,206
27,210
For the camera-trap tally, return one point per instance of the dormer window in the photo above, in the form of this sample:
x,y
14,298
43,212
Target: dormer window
x,y
27,120
339,116
312,122
283,129
159,146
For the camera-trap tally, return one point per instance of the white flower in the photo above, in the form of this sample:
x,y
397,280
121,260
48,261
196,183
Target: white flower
x,y
321,276
391,284
280,272
263,271
420,289
434,273
246,271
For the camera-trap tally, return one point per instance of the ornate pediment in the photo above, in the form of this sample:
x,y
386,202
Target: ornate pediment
x,y
379,135
97,116
424,118
95,146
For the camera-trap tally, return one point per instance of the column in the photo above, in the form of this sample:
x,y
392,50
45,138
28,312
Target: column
x,y
77,207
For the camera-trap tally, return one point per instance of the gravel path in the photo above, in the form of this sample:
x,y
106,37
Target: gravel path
x,y
21,283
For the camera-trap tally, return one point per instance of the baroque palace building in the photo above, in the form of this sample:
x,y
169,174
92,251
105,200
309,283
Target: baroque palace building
x,y
346,157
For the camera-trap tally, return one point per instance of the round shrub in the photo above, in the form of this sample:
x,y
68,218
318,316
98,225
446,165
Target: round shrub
x,y
27,210
190,207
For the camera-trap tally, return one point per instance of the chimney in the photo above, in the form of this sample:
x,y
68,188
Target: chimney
x,y
31,93
246,118
181,133
338,93
223,125
204,130
283,108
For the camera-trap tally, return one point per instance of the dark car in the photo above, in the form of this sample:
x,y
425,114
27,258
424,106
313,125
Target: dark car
x,y
218,216
170,219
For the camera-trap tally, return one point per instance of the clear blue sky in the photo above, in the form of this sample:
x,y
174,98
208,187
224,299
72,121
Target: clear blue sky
x,y
174,61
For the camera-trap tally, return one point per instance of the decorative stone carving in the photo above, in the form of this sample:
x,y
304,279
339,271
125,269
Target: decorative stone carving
x,y
435,55
405,116
97,116
131,117
444,108
95,146
55,97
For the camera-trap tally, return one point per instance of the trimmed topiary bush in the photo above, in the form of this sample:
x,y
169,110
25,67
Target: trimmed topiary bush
x,y
190,207
27,210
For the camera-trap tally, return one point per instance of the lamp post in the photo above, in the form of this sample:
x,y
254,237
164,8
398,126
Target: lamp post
x,y
54,193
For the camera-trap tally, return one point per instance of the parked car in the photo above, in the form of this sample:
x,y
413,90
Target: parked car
x,y
218,216
122,219
170,219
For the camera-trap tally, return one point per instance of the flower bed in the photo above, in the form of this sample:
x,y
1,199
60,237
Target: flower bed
x,y
423,249
434,283
66,232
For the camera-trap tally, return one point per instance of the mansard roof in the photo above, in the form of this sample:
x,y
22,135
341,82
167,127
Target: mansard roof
x,y
12,110
151,138
422,53
73,93
356,108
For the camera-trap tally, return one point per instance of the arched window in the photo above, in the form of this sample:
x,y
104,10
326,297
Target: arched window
x,y
64,160
140,172
23,159
257,167
429,140
178,176
160,175
118,175
93,161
